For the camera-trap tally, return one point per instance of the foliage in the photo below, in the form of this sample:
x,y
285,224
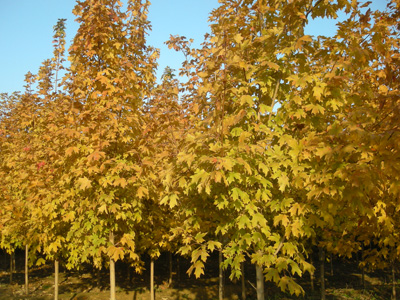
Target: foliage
x,y
277,141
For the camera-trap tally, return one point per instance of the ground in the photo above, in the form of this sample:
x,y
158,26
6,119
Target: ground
x,y
345,283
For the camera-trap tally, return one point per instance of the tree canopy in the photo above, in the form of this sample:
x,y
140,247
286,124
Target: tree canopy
x,y
268,143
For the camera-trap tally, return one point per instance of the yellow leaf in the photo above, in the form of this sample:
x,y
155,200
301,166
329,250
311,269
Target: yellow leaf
x,y
120,182
71,150
84,183
318,91
173,200
96,155
283,182
238,38
103,208
302,40
272,65
247,99
141,192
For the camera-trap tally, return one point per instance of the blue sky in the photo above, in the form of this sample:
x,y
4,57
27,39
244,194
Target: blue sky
x,y
26,31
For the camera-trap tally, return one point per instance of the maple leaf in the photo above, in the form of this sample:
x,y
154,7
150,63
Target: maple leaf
x,y
283,182
84,183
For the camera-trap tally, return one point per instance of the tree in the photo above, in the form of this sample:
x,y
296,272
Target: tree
x,y
163,131
111,74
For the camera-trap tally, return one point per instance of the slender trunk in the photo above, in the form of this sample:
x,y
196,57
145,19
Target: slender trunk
x,y
56,273
12,265
178,270
358,259
98,276
322,274
26,270
152,279
363,277
260,283
112,271
393,281
128,270
221,277
312,276
170,268
362,269
243,282
331,258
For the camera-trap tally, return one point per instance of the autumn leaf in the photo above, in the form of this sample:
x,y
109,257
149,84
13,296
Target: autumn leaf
x,y
84,183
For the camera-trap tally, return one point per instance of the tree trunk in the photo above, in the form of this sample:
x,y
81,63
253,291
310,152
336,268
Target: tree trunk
x,y
170,268
178,270
221,277
98,276
362,269
331,258
26,270
243,282
152,279
393,281
260,283
56,273
363,277
129,276
112,271
5,260
358,259
312,276
322,274
12,265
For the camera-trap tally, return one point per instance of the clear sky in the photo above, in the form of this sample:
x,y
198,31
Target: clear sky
x,y
26,31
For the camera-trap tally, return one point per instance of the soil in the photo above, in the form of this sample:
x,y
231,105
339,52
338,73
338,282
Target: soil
x,y
87,284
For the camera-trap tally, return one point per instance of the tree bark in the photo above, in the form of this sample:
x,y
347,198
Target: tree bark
x,y
26,270
260,283
170,268
178,269
393,281
98,277
221,277
56,278
12,265
152,279
112,271
129,275
362,268
243,282
322,273
312,276
363,277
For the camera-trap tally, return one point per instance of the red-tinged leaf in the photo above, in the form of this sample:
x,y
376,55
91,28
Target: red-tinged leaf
x,y
71,150
96,155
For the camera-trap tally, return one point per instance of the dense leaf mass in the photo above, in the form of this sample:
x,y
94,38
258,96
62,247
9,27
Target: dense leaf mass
x,y
269,143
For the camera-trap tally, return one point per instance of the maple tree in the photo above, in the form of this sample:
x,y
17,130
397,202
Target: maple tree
x,y
224,151
111,73
278,142
239,75
163,130
21,130
335,118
